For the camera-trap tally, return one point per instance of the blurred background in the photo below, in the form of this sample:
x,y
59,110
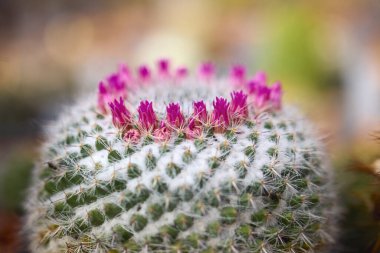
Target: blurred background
x,y
326,53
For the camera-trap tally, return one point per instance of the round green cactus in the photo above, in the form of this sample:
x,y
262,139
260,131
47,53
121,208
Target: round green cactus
x,y
187,173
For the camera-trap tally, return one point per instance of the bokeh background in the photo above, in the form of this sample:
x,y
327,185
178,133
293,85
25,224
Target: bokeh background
x,y
326,53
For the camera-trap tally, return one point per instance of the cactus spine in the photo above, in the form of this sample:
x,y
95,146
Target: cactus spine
x,y
183,174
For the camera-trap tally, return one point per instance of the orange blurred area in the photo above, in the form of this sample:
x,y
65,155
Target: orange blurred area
x,y
326,53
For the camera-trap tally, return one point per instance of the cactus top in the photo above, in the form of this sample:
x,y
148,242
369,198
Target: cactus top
x,y
248,98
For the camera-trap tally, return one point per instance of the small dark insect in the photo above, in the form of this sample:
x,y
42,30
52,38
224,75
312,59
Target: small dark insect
x,y
52,166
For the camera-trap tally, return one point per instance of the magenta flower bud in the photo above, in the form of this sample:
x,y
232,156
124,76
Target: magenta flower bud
x,y
174,117
132,135
259,89
262,96
265,97
124,74
162,133
276,95
237,75
192,123
103,97
102,88
220,115
261,77
116,83
206,71
197,120
181,72
200,111
144,73
147,116
163,67
259,81
239,107
113,87
113,82
121,117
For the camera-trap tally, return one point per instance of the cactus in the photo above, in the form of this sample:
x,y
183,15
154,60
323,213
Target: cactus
x,y
162,161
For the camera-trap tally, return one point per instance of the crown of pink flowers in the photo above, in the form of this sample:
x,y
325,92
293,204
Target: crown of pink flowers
x,y
248,98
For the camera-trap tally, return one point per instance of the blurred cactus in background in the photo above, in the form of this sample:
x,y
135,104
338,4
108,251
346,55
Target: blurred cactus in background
x,y
360,199
187,171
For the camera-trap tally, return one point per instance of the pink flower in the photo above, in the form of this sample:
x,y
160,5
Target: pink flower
x,y
132,135
220,117
144,73
102,88
265,97
259,89
276,95
103,97
260,79
200,111
206,71
113,87
117,82
163,67
125,75
239,107
162,133
174,117
121,117
197,120
261,96
147,117
181,73
237,75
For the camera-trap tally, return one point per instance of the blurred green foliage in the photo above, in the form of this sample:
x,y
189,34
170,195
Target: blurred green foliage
x,y
14,180
292,51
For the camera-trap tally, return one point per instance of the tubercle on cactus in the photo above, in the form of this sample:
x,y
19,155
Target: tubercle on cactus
x,y
248,99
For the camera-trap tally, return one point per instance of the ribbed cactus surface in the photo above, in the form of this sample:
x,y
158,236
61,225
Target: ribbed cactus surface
x,y
187,172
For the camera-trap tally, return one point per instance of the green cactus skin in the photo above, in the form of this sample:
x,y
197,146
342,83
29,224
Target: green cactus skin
x,y
264,186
